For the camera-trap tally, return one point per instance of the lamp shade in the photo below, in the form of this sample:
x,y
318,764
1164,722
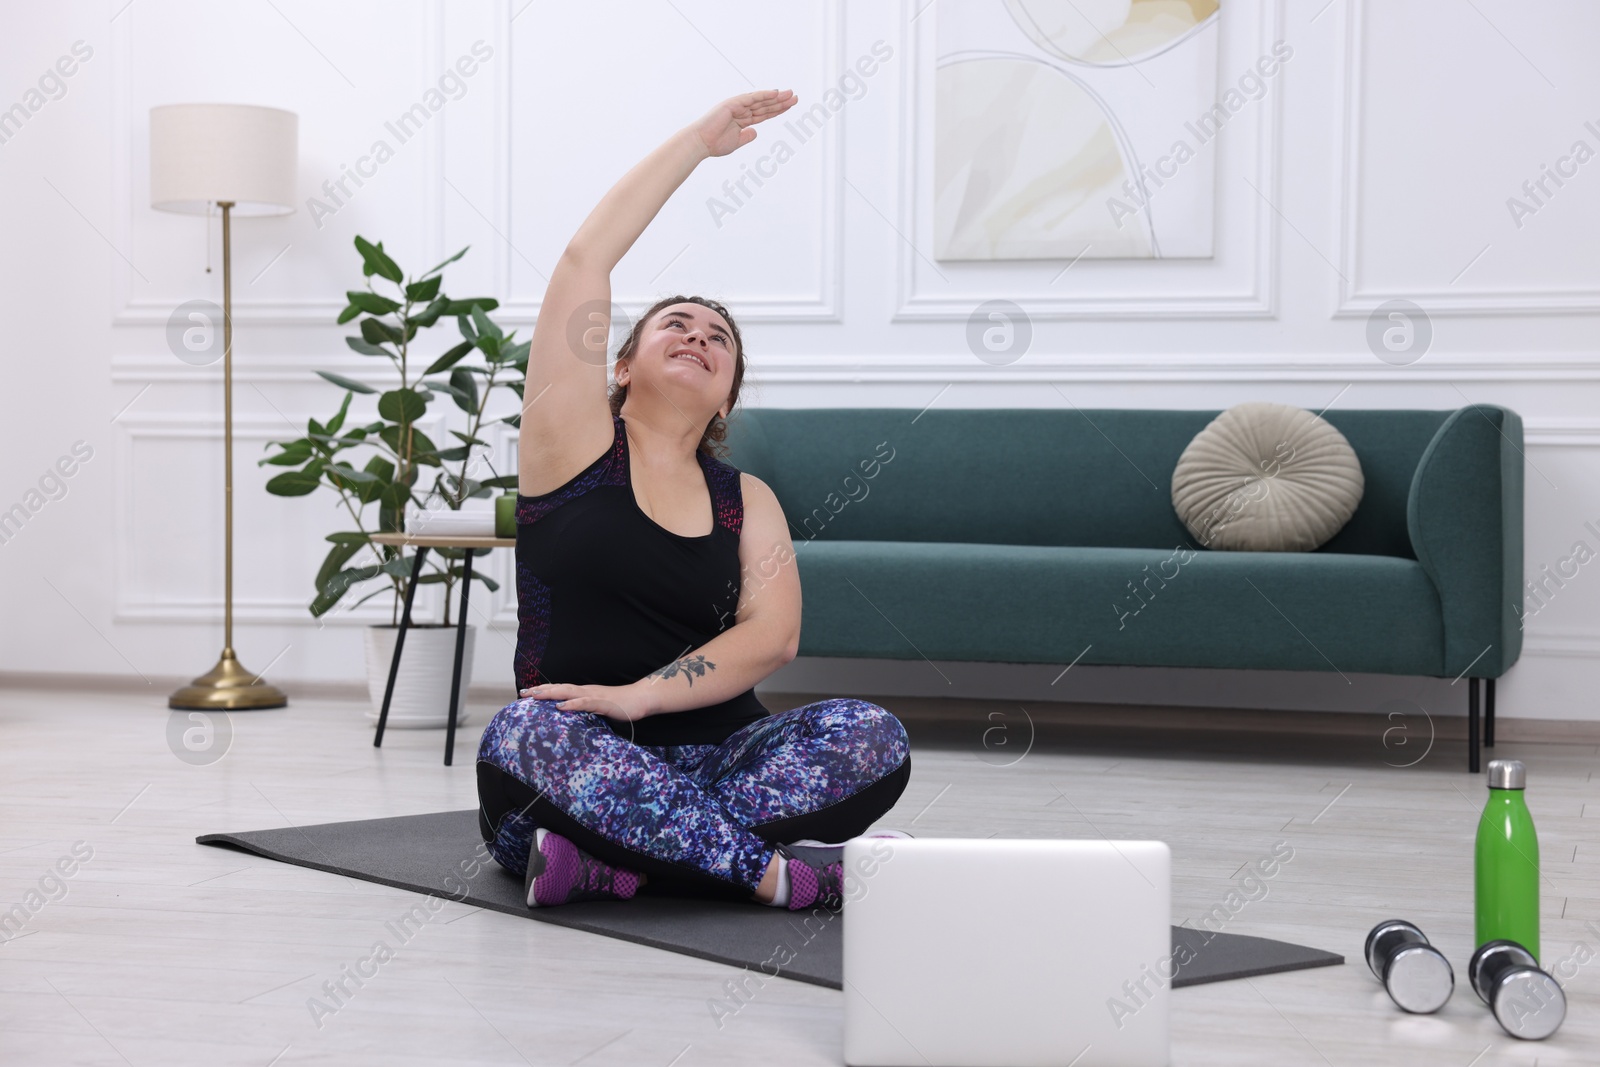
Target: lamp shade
x,y
203,153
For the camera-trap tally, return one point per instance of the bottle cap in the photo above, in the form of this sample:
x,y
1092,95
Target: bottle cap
x,y
1507,774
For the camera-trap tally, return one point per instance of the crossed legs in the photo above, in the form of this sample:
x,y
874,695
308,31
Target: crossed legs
x,y
697,819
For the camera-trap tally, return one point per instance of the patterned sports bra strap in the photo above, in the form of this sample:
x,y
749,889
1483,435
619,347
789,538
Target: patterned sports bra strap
x,y
727,495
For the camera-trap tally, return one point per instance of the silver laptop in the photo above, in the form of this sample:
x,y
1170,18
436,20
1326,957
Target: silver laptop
x,y
1025,953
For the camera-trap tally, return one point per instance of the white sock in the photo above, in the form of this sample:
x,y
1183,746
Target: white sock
x,y
780,899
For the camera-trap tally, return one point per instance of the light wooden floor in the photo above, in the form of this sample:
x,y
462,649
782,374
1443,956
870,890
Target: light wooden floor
x,y
164,952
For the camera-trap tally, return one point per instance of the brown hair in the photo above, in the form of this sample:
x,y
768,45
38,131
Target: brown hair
x,y
711,441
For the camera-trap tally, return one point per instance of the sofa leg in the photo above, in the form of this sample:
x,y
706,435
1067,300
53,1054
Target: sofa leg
x,y
1472,726
1488,713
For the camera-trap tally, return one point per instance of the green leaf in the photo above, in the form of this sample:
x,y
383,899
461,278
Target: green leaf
x,y
294,483
338,583
464,307
513,420
382,472
454,455
427,289
479,576
467,486
348,313
430,314
345,476
424,451
367,348
504,481
335,443
338,420
400,567
447,262
466,387
349,537
485,324
445,387
450,358
376,331
401,405
466,329
516,355
294,453
371,302
337,557
468,439
376,261
347,383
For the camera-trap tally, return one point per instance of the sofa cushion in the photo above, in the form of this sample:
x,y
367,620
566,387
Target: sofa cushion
x,y
1129,606
1266,477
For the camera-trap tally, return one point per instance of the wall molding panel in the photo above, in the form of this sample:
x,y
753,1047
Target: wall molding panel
x,y
1354,297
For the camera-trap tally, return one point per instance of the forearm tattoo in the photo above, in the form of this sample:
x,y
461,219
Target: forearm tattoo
x,y
688,666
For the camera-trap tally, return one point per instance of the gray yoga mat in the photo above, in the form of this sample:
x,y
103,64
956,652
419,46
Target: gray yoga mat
x,y
436,853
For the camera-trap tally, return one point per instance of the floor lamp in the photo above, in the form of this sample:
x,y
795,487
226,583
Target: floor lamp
x,y
243,160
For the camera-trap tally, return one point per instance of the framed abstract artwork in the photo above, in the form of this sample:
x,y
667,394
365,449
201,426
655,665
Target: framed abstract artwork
x,y
1070,128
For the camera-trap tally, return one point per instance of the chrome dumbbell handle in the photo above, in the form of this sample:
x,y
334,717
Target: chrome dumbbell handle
x,y
1526,1001
1416,975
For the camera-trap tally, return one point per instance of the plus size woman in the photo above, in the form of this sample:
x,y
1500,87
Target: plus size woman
x,y
638,753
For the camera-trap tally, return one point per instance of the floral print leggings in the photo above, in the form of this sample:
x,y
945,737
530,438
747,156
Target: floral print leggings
x,y
698,819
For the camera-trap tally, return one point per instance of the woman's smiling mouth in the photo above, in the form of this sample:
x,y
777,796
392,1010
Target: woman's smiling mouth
x,y
691,355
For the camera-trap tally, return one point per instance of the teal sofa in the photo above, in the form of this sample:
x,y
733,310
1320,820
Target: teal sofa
x,y
1045,535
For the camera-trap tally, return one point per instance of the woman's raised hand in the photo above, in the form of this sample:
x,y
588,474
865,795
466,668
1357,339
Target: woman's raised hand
x,y
724,127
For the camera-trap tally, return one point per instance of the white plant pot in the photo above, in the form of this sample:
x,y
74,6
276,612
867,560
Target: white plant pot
x,y
422,685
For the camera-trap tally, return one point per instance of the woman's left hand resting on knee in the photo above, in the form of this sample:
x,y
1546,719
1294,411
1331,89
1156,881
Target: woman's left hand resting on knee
x,y
628,703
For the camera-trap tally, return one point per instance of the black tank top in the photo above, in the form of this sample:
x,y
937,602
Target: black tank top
x,y
605,596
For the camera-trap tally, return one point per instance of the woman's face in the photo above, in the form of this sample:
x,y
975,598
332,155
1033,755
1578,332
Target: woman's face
x,y
687,353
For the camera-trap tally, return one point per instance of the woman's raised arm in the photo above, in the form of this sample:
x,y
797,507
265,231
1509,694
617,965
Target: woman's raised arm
x,y
566,423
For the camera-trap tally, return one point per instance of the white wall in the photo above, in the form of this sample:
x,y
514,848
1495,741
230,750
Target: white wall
x,y
1377,166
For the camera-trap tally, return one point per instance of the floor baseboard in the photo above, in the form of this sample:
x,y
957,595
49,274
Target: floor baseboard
x,y
942,709
163,685
1177,718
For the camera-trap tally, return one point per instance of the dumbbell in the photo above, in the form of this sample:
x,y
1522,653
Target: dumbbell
x,y
1526,1001
1417,976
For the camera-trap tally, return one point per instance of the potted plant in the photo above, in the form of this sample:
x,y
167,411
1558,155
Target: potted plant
x,y
392,478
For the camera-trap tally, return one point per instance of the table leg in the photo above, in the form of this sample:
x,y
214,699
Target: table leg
x,y
399,643
461,644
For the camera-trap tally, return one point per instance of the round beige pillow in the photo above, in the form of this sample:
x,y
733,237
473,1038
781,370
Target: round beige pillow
x,y
1267,478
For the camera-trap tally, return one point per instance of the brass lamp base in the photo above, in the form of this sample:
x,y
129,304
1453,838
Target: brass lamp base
x,y
228,687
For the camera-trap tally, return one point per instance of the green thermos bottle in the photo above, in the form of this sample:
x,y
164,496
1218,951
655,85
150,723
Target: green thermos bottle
x,y
1507,867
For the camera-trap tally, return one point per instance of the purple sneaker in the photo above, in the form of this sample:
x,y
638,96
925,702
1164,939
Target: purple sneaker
x,y
816,871
560,872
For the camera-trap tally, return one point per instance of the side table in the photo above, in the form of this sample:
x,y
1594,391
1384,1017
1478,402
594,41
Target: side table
x,y
423,542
